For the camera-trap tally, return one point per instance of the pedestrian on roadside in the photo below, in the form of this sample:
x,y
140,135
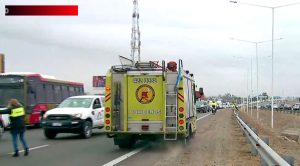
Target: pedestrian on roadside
x,y
17,124
236,108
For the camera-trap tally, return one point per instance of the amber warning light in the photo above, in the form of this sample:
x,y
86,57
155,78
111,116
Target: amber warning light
x,y
41,10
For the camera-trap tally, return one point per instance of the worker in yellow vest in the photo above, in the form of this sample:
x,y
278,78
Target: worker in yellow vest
x,y
17,124
214,107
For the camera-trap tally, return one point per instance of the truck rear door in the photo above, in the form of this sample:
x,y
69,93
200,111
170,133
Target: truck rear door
x,y
145,103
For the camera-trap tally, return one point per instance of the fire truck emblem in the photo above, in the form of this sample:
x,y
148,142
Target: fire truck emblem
x,y
145,94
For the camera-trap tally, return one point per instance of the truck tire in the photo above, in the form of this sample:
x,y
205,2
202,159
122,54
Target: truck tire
x,y
192,134
128,144
50,134
125,142
86,130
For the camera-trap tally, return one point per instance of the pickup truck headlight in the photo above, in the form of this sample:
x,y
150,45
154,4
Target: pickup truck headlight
x,y
45,116
78,115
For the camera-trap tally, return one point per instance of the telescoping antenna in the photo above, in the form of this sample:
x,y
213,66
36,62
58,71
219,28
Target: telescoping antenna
x,y
135,33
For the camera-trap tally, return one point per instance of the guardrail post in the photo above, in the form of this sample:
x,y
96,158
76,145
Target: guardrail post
x,y
262,161
289,159
253,148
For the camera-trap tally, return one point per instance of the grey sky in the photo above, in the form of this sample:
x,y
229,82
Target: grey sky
x,y
76,48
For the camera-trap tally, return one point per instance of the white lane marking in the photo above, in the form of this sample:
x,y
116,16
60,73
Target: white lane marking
x,y
203,116
125,156
37,147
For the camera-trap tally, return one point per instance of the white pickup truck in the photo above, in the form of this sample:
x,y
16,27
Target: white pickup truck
x,y
77,114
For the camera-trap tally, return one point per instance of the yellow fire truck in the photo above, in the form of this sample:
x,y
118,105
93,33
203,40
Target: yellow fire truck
x,y
147,100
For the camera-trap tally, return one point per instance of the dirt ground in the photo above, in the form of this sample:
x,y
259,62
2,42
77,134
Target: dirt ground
x,y
218,142
282,121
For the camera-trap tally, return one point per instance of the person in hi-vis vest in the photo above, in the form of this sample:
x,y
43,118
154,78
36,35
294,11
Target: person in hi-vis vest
x,y
17,125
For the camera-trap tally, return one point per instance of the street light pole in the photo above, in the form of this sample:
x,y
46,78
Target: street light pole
x,y
257,87
273,8
257,114
251,93
272,91
247,93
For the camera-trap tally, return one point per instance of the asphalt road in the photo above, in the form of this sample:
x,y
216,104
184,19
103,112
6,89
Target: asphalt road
x,y
70,149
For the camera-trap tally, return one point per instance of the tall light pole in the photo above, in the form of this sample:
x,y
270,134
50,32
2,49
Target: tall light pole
x,y
273,8
247,82
256,53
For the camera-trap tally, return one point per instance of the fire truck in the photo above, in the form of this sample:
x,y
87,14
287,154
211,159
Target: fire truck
x,y
148,100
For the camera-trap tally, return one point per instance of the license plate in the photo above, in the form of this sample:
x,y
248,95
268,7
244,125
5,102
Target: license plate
x,y
56,124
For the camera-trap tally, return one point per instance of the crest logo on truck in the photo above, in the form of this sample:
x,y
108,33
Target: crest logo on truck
x,y
145,94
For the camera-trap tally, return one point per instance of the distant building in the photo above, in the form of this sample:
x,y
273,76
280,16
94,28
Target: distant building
x,y
199,95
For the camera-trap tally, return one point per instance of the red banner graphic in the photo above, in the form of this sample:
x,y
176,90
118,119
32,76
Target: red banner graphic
x,y
41,10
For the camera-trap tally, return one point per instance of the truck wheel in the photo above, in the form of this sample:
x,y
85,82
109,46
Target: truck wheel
x,y
125,142
192,134
86,129
50,134
128,144
186,138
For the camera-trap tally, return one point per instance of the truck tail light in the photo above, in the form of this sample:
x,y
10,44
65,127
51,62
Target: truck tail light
x,y
181,121
181,109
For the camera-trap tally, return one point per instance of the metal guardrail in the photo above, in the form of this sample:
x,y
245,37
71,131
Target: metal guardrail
x,y
268,154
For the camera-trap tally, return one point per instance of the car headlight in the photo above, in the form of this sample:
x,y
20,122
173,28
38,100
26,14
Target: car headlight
x,y
77,115
45,116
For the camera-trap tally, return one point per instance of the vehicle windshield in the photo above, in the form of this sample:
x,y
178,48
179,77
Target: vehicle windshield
x,y
199,103
7,93
76,102
11,87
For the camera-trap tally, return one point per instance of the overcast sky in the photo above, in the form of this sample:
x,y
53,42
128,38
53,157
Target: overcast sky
x,y
199,32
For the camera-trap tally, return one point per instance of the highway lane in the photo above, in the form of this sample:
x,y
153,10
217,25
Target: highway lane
x,y
160,150
218,141
67,149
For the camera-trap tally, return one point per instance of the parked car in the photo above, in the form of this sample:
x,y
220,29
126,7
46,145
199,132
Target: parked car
x,y
202,106
296,106
219,104
268,106
287,107
77,114
275,106
281,106
224,105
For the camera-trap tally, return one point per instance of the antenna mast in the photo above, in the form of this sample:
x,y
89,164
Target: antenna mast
x,y
135,33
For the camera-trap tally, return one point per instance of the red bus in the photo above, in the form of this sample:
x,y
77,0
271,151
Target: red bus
x,y
37,93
